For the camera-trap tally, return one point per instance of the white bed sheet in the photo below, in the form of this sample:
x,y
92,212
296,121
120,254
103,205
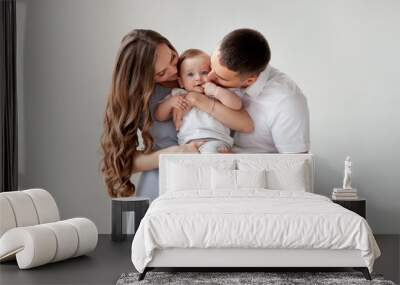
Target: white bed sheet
x,y
250,218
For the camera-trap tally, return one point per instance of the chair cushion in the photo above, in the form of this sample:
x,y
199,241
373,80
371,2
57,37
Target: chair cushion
x,y
7,216
26,208
45,205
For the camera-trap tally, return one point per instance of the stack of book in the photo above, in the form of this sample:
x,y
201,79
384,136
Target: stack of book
x,y
344,194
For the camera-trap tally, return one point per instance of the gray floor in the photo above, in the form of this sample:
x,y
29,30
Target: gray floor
x,y
109,260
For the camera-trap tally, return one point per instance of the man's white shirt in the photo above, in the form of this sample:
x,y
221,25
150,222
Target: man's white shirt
x,y
280,115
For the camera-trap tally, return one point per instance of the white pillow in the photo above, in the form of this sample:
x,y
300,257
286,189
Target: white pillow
x,y
223,179
293,178
186,175
227,179
251,178
281,174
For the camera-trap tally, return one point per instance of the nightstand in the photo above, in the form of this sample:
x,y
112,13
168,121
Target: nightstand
x,y
358,206
139,205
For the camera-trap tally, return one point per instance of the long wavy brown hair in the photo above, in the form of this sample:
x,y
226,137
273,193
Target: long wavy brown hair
x,y
127,109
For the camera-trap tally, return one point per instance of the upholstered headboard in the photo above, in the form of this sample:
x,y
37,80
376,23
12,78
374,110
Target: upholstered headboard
x,y
269,161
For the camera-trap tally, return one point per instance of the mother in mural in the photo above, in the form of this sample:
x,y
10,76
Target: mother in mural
x,y
144,73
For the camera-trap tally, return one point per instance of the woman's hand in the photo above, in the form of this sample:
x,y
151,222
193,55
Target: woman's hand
x,y
193,98
177,116
178,113
164,109
179,102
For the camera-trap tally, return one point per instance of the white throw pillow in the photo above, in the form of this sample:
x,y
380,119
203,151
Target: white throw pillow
x,y
223,179
184,175
226,179
292,178
281,174
251,178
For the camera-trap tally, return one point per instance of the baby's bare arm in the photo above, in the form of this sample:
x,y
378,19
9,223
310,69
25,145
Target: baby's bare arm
x,y
225,96
228,98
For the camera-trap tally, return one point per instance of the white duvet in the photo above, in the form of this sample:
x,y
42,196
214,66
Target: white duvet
x,y
251,218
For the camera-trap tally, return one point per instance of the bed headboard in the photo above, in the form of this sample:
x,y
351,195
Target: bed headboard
x,y
210,159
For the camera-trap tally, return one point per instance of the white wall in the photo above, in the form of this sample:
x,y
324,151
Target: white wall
x,y
343,54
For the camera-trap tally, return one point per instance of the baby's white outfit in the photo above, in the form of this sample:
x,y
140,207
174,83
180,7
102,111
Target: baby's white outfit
x,y
199,125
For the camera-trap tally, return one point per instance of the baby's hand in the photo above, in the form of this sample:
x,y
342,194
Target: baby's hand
x,y
210,89
179,102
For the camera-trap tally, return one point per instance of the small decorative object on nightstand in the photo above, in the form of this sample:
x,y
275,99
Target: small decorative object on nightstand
x,y
346,192
358,206
119,205
347,173
347,196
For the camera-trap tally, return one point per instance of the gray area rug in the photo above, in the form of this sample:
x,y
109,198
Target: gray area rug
x,y
231,278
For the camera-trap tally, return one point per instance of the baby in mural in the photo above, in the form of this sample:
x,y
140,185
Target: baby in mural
x,y
193,68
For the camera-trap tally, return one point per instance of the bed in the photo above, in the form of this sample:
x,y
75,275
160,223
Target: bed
x,y
245,211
